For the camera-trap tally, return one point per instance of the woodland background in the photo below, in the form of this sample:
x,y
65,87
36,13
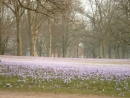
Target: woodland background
x,y
65,28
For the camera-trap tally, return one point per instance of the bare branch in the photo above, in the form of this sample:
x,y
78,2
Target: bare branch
x,y
8,7
35,10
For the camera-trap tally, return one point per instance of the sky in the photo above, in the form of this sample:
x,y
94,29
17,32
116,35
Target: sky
x,y
85,4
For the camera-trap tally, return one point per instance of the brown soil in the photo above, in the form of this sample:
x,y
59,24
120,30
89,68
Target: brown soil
x,y
9,94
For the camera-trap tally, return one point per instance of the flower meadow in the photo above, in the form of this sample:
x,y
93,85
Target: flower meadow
x,y
84,76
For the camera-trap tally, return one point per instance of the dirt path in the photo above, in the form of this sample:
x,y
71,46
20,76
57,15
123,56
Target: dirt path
x,y
9,94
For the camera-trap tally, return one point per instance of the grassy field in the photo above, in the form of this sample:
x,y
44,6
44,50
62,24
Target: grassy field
x,y
90,86
66,76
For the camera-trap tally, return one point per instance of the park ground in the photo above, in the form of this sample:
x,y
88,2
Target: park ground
x,y
16,94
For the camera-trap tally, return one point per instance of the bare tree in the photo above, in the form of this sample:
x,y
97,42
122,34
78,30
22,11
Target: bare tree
x,y
101,21
18,12
123,17
5,28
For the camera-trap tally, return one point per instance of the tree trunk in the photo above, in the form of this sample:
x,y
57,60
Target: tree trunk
x,y
94,54
33,39
117,51
19,41
33,36
101,50
123,53
1,45
50,38
64,36
109,52
64,51
31,44
77,48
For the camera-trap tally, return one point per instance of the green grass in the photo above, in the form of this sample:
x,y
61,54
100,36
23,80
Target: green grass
x,y
91,86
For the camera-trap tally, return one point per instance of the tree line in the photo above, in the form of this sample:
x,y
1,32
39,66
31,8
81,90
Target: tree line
x,y
65,28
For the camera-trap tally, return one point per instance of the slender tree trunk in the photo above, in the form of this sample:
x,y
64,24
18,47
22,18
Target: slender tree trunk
x,y
31,37
94,55
30,34
40,52
59,52
1,17
31,44
64,37
50,38
117,51
0,45
109,52
77,48
101,50
123,53
64,51
19,41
